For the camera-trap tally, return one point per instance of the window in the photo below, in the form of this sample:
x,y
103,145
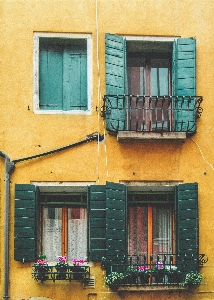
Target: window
x,y
150,84
62,73
148,72
110,207
166,225
150,224
63,227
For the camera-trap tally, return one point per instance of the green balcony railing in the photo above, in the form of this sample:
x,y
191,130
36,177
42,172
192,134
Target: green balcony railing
x,y
151,113
152,270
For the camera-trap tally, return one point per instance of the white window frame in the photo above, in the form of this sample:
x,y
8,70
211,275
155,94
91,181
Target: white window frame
x,y
37,36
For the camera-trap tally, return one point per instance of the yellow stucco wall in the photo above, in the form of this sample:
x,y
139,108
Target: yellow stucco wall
x,y
23,133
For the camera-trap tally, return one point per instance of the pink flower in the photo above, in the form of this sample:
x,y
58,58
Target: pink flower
x,y
142,268
78,262
62,259
159,265
41,262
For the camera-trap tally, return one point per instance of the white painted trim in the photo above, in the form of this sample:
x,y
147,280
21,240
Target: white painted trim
x,y
63,186
151,38
37,36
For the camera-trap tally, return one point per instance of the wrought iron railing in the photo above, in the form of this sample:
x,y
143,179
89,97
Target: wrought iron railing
x,y
151,113
46,272
155,269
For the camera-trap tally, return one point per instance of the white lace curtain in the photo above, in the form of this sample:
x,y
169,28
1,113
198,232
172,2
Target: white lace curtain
x,y
52,233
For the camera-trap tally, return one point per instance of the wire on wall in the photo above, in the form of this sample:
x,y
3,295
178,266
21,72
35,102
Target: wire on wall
x,y
203,155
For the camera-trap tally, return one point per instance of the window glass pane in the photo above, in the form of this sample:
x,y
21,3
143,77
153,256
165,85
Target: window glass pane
x,y
162,228
136,80
77,233
160,77
51,232
138,229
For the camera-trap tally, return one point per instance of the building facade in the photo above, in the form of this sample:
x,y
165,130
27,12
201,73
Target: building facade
x,y
106,149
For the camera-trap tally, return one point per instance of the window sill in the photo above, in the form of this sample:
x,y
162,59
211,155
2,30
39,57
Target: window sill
x,y
151,288
62,112
131,135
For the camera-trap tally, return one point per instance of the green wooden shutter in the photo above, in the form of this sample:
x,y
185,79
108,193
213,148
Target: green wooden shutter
x,y
97,210
75,78
116,215
187,225
184,83
50,77
25,222
115,56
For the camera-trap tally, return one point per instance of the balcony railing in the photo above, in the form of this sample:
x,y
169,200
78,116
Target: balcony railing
x,y
152,113
155,269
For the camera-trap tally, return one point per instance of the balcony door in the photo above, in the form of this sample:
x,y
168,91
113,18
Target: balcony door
x,y
149,74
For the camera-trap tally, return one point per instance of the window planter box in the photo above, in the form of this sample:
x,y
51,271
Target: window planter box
x,y
66,272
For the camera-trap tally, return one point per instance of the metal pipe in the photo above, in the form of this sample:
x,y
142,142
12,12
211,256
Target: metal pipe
x,y
9,167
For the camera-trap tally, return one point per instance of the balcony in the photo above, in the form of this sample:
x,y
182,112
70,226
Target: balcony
x,y
155,272
151,117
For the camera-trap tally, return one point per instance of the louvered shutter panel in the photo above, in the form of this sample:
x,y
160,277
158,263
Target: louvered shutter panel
x,y
75,78
97,210
25,222
115,81
187,225
184,84
50,78
116,215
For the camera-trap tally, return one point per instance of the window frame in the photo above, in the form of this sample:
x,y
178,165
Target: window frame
x,y
36,100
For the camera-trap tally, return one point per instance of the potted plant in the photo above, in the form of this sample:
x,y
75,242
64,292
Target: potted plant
x,y
77,269
173,275
143,274
130,276
193,279
159,272
61,267
40,268
114,279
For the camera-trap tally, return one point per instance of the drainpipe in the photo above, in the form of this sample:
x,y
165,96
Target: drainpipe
x,y
9,167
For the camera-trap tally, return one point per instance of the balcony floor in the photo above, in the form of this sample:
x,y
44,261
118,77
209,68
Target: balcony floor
x,y
132,135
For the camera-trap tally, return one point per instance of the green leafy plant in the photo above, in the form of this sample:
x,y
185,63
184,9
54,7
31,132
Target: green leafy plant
x,y
114,278
193,279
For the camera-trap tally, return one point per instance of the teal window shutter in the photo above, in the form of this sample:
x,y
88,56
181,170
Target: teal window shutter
x,y
116,219
75,78
184,83
25,223
97,213
115,56
63,74
187,225
50,78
